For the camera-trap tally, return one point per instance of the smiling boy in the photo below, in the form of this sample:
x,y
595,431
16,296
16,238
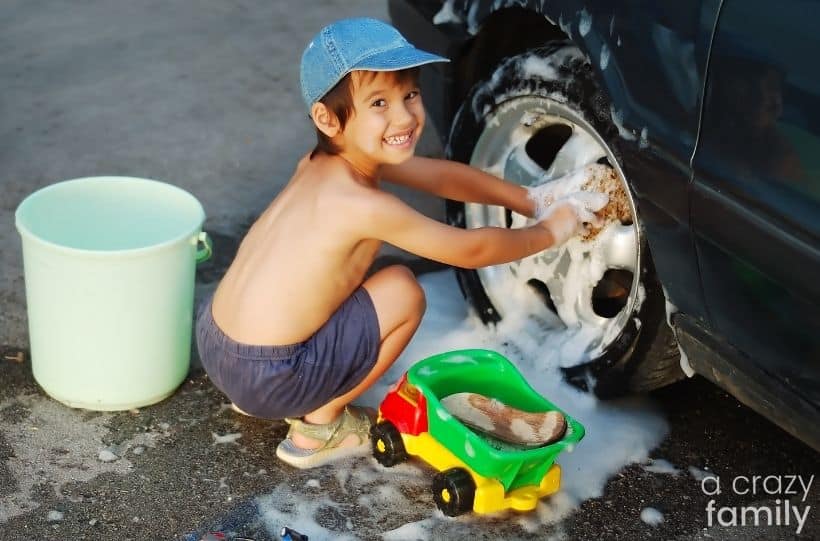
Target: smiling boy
x,y
294,330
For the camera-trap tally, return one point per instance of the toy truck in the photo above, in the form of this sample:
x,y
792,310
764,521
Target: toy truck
x,y
476,472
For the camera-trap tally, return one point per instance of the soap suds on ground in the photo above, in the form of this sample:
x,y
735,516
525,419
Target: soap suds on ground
x,y
627,430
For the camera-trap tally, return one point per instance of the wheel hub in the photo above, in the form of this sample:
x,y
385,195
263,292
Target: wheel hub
x,y
445,496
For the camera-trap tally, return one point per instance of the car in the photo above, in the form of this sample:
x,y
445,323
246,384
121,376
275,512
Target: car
x,y
476,472
708,116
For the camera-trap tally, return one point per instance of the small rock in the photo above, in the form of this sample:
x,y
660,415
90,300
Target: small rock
x,y
227,438
55,516
138,450
107,456
92,522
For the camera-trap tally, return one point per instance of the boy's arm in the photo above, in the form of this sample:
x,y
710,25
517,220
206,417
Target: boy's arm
x,y
460,182
389,219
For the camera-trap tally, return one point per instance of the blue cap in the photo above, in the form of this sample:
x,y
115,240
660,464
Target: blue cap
x,y
355,44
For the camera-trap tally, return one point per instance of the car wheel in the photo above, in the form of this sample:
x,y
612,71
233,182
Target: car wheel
x,y
388,447
454,491
539,117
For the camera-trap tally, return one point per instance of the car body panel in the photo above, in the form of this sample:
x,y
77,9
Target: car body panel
x,y
756,195
724,365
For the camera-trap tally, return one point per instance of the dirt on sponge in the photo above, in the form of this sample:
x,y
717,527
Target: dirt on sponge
x,y
606,180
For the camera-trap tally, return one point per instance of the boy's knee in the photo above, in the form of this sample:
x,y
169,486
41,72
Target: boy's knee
x,y
417,296
411,291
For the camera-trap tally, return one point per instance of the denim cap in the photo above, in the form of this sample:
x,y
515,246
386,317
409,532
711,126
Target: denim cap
x,y
355,44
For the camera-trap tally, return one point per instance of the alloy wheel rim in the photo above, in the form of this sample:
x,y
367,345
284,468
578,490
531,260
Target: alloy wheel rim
x,y
569,273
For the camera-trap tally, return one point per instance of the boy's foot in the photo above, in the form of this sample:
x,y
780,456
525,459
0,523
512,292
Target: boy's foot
x,y
505,422
347,436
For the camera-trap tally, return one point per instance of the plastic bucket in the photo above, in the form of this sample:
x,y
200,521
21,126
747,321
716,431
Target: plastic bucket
x,y
109,267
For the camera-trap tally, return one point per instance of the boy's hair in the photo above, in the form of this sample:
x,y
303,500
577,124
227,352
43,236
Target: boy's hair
x,y
339,101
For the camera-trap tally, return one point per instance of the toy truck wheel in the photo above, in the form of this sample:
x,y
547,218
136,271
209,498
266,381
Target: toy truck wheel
x,y
388,447
454,491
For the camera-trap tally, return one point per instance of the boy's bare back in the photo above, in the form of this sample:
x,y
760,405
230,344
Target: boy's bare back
x,y
301,259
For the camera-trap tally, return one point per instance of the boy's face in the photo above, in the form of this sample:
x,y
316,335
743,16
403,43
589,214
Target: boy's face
x,y
387,119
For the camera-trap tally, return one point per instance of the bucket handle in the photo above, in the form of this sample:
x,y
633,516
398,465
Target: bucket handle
x,y
204,253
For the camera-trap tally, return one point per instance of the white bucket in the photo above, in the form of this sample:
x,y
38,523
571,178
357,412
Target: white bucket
x,y
109,266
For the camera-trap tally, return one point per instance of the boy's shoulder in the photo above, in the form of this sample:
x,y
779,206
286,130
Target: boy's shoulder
x,y
322,167
337,184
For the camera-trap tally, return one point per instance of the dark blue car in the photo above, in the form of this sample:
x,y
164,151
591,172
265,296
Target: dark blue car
x,y
708,114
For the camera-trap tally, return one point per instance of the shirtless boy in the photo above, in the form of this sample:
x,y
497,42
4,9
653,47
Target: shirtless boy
x,y
294,330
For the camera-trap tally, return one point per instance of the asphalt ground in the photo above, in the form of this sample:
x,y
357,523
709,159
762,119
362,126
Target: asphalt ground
x,y
183,482
205,95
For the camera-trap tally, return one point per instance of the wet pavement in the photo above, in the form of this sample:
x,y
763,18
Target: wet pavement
x,y
179,468
204,95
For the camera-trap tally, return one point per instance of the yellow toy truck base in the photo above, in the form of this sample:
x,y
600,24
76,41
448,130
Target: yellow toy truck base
x,y
489,496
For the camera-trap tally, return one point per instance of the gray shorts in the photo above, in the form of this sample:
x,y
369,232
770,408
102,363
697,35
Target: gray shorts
x,y
274,382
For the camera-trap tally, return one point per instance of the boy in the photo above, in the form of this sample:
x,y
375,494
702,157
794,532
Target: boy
x,y
294,330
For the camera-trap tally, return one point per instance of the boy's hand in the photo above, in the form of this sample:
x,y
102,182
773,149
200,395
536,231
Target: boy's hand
x,y
566,217
544,195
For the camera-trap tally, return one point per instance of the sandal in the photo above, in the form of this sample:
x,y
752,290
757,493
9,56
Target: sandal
x,y
237,409
352,421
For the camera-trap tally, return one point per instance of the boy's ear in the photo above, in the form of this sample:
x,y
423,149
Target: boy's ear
x,y
324,119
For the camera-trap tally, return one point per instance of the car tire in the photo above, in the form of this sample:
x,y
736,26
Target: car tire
x,y
535,103
388,447
454,491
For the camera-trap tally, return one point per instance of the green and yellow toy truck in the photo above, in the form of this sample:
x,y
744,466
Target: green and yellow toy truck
x,y
475,471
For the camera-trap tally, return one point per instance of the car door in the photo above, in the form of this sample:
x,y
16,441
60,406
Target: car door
x,y
756,193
